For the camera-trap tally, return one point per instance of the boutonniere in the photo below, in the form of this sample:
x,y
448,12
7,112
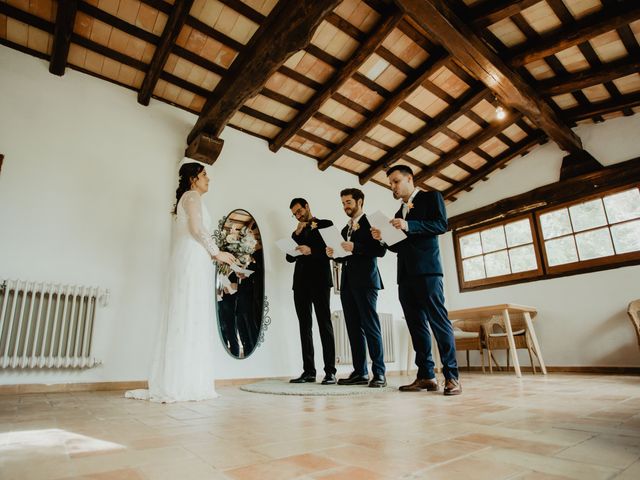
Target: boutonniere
x,y
409,206
355,226
314,225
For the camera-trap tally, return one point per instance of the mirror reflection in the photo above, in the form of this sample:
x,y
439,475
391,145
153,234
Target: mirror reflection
x,y
240,294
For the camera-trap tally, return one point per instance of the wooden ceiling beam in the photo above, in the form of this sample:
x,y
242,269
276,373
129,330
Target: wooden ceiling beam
x,y
438,123
26,17
244,10
614,176
437,60
286,30
465,148
463,43
581,31
172,29
493,11
341,76
630,100
520,148
587,78
65,18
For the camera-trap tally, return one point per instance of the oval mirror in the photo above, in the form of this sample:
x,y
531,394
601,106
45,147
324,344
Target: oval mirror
x,y
240,294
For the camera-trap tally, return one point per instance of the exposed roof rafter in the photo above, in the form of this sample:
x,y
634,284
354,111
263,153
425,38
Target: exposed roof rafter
x,y
171,31
436,61
286,30
465,148
351,67
520,148
65,18
437,17
439,122
581,31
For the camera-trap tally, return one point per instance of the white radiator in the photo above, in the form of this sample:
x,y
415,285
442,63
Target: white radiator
x,y
47,325
343,349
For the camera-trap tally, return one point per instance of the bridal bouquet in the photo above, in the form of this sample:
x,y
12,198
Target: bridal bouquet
x,y
240,242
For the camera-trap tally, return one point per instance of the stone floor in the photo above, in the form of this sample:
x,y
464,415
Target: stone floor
x,y
560,426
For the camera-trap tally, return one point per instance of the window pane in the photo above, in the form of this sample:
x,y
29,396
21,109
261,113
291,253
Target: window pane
x,y
561,251
473,269
626,236
555,224
470,245
623,206
518,233
497,264
493,239
587,215
523,259
594,244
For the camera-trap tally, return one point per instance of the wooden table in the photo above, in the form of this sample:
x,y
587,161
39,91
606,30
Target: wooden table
x,y
484,314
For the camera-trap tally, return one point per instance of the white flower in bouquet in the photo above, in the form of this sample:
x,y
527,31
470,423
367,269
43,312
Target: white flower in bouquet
x,y
241,243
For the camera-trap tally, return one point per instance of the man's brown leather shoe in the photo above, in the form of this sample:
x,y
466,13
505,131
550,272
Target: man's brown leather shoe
x,y
420,384
452,387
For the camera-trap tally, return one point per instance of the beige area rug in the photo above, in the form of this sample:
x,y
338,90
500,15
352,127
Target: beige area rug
x,y
283,387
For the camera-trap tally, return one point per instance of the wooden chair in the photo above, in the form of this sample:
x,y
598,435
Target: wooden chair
x,y
495,338
468,336
634,314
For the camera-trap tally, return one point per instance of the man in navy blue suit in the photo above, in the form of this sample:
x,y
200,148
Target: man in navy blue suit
x,y
422,217
359,285
311,287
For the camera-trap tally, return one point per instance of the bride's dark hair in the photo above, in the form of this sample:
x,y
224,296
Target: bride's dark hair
x,y
188,172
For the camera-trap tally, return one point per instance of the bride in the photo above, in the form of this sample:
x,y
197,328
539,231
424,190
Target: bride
x,y
182,367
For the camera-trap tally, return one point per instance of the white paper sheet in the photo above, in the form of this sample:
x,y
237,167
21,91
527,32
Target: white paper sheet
x,y
288,246
333,239
226,284
390,234
238,269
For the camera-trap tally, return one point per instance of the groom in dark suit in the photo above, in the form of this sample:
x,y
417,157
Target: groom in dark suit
x,y
311,286
422,217
360,282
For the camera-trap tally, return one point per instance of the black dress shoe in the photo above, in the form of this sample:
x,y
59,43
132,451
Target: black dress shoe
x,y
378,381
329,379
354,379
304,378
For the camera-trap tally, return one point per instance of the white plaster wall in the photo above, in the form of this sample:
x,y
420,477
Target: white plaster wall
x,y
85,190
582,318
89,177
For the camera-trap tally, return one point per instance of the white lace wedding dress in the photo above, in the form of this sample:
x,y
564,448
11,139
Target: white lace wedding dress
x,y
183,366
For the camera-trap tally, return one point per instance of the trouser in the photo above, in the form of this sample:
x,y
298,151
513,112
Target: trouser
x,y
304,298
422,300
363,326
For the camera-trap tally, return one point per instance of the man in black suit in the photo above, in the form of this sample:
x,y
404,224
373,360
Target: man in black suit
x,y
360,282
422,217
311,286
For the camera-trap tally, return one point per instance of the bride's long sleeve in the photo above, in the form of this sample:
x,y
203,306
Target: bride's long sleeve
x,y
192,205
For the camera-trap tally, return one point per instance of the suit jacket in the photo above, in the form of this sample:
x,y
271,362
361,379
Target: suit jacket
x,y
419,253
312,270
360,269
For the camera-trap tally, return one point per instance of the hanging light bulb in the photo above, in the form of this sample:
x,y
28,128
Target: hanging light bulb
x,y
501,113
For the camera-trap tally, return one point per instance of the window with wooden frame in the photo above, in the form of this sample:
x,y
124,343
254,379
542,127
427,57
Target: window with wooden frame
x,y
593,233
597,231
498,253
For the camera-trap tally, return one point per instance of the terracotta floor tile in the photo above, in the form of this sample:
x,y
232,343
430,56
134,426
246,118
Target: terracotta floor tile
x,y
534,428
